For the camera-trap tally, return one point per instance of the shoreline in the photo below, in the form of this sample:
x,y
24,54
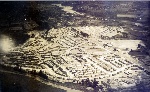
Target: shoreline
x,y
47,82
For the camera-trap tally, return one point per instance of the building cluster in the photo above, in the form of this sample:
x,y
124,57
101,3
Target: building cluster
x,y
69,56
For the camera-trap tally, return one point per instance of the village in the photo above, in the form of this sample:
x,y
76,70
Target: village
x,y
74,54
73,42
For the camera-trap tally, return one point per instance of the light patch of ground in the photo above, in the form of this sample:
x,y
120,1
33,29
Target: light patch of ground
x,y
123,44
68,9
126,15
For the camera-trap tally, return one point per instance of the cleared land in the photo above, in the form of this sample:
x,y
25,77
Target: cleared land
x,y
77,53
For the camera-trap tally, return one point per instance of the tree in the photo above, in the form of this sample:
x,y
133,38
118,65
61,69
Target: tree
x,y
95,83
41,74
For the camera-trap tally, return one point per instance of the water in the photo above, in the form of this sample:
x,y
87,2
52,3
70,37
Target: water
x,y
19,83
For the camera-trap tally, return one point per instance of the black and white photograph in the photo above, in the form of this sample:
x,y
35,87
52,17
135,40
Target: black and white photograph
x,y
75,46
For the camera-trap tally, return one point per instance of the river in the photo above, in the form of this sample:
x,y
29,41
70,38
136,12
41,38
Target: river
x,y
13,82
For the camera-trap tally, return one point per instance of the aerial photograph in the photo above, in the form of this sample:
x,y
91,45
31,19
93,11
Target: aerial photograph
x,y
75,46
